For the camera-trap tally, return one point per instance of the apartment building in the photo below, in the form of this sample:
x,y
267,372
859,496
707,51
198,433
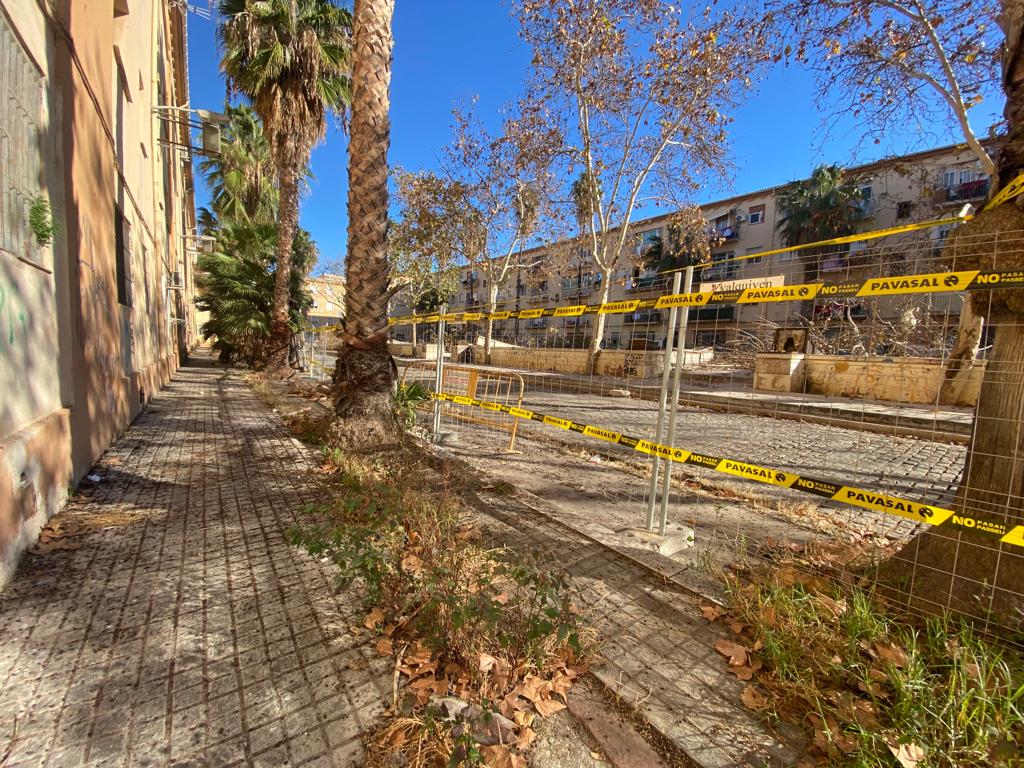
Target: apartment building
x,y
921,186
328,300
94,319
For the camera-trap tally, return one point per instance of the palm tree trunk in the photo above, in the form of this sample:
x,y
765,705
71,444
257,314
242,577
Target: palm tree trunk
x,y
364,377
287,221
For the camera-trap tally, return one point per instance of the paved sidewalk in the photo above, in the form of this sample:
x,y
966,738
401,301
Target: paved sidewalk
x,y
181,628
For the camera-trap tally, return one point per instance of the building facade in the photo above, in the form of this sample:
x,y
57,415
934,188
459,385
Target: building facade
x,y
922,186
94,320
328,300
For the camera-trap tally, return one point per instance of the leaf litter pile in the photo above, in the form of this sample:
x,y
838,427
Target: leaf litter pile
x,y
483,642
868,689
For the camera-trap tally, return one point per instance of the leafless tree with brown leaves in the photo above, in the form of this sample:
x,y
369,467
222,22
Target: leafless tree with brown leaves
x,y
893,62
641,92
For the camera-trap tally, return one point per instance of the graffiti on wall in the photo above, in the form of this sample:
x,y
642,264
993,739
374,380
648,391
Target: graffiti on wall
x,y
13,319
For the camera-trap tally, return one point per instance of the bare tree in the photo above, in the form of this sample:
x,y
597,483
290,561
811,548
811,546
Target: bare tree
x,y
641,95
890,62
504,180
422,250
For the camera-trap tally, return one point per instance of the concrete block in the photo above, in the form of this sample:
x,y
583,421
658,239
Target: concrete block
x,y
677,538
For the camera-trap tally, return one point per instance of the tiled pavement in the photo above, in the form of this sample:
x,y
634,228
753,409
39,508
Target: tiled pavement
x,y
182,628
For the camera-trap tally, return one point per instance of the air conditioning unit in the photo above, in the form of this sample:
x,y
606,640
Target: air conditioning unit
x,y
740,218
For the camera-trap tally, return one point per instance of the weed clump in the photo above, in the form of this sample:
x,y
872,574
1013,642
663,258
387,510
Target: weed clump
x,y
483,640
876,691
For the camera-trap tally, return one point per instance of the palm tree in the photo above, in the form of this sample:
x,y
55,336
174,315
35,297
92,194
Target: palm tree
x,y
241,177
236,286
364,378
825,206
290,58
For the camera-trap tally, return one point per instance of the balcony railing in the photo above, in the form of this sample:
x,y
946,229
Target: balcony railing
x,y
968,190
866,208
649,283
725,232
727,312
644,316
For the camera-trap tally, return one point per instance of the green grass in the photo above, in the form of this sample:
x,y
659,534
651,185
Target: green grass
x,y
871,685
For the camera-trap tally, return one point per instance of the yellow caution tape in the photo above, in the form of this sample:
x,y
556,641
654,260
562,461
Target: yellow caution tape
x,y
933,282
1010,191
917,511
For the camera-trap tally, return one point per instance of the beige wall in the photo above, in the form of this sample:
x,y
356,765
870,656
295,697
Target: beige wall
x,y
898,380
76,365
622,364
328,294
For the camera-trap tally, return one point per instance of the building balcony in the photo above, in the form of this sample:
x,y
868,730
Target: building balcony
x,y
643,317
648,283
714,314
969,190
866,209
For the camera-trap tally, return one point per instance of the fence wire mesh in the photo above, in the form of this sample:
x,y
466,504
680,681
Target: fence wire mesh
x,y
826,431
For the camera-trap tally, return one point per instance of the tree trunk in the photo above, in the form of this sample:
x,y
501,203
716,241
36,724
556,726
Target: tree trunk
x,y
952,568
287,220
414,339
965,352
813,260
492,303
365,374
594,349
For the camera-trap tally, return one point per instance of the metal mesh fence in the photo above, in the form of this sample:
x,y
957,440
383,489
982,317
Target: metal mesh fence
x,y
817,417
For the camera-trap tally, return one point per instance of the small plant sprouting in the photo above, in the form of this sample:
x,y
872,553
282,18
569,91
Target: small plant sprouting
x,y
40,219
408,397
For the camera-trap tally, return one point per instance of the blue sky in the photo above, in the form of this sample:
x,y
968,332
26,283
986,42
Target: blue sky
x,y
447,51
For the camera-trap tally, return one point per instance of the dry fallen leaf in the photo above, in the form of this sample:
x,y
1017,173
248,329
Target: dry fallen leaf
x,y
375,617
500,756
873,689
385,646
753,699
891,653
711,612
835,607
547,707
736,626
746,671
735,652
908,755
526,737
864,713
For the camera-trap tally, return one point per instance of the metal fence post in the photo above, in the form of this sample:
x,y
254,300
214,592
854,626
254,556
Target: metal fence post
x,y
439,374
666,368
666,480
324,372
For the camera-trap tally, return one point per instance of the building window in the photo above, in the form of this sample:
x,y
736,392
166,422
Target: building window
x,y
753,259
647,240
122,257
756,214
22,87
949,179
904,208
